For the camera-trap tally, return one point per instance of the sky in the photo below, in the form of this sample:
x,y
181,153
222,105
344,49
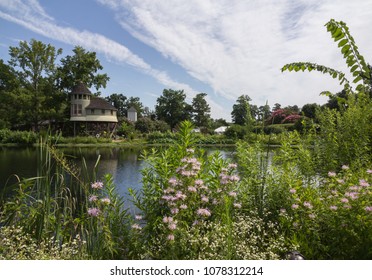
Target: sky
x,y
224,48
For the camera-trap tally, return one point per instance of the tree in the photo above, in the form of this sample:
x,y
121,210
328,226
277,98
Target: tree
x,y
82,66
201,110
119,101
241,113
309,110
264,112
36,64
171,107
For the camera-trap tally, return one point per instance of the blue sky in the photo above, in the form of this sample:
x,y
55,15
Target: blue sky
x,y
224,48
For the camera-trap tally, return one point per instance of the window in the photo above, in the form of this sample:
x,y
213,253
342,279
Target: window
x,y
103,111
112,112
75,96
84,96
80,109
79,96
92,111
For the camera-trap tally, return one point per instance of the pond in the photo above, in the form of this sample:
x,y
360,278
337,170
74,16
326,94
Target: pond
x,y
123,163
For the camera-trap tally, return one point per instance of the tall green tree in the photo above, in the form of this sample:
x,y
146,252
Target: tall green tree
x,y
119,101
35,67
241,113
171,107
81,66
201,110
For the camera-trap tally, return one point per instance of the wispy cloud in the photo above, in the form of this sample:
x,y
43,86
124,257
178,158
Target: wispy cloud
x,y
39,22
238,47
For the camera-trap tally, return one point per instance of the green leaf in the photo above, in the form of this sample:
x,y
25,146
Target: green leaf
x,y
342,43
357,79
345,49
353,68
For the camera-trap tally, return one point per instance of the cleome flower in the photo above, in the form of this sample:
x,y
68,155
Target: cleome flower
x,y
97,185
203,212
94,212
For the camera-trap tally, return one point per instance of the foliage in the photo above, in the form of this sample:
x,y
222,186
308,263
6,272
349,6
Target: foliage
x,y
201,110
242,113
81,67
172,108
17,137
355,61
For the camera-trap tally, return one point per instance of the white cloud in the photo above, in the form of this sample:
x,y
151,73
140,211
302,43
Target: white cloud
x,y
238,47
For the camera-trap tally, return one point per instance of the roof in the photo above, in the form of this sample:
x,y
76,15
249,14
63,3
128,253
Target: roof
x,y
221,129
132,109
99,103
80,88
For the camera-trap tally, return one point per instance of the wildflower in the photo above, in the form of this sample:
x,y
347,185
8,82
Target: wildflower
x,y
312,216
308,205
105,200
369,171
191,189
292,191
199,182
191,151
345,167
363,183
333,207
234,178
136,226
340,181
232,165
170,237
203,212
352,195
94,212
368,208
237,205
331,174
205,199
232,194
168,190
138,217
344,200
167,219
173,181
172,226
294,206
183,206
93,198
283,211
174,211
97,185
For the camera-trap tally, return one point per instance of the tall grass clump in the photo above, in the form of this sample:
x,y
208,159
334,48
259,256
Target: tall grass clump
x,y
63,205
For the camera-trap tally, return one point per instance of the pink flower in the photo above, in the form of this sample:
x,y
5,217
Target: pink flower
x,y
308,205
138,217
170,237
191,151
368,208
345,167
191,189
97,185
234,178
167,219
205,199
282,210
174,211
183,206
363,183
232,165
333,207
203,212
292,191
369,171
237,205
232,194
344,200
199,182
294,206
173,181
93,198
312,216
331,174
94,212
172,226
